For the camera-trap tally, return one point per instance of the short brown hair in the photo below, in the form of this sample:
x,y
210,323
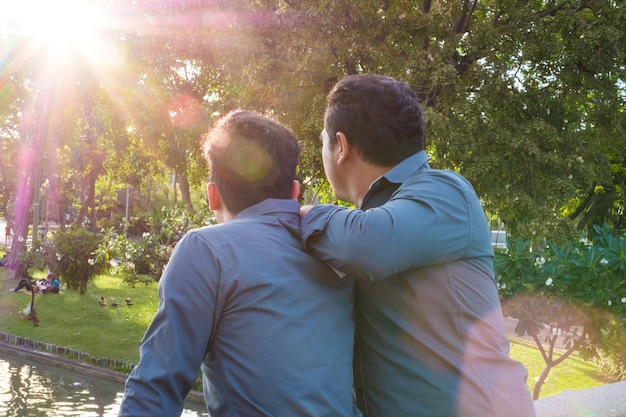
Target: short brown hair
x,y
251,158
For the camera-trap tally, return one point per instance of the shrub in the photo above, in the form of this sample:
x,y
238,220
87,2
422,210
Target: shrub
x,y
138,256
73,257
576,290
613,363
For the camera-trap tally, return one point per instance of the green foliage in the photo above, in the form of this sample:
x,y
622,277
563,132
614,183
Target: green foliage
x,y
147,254
525,99
73,257
576,291
613,361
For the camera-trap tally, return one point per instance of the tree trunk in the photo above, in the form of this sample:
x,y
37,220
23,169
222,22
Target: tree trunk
x,y
185,195
90,183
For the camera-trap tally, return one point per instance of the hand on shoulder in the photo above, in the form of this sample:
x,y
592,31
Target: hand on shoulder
x,y
305,209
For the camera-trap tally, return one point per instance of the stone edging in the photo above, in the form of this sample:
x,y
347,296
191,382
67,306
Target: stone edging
x,y
63,352
74,359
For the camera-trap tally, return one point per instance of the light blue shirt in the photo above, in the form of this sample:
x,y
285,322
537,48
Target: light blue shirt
x,y
270,326
430,330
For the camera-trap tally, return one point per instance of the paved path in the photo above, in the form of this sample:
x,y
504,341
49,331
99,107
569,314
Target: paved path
x,y
607,400
604,401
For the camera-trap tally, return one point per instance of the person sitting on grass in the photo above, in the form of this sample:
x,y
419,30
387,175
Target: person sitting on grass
x,y
24,283
51,285
42,286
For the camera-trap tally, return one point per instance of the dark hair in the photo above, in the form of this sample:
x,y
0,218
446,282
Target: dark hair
x,y
380,116
251,158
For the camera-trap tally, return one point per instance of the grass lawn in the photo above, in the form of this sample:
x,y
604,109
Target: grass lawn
x,y
573,374
79,322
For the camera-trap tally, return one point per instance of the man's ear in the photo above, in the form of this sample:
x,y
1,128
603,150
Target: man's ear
x,y
344,149
214,196
295,190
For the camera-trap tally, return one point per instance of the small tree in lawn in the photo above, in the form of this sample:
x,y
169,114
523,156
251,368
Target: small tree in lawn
x,y
574,292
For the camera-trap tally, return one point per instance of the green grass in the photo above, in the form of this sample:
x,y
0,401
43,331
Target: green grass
x,y
573,373
79,322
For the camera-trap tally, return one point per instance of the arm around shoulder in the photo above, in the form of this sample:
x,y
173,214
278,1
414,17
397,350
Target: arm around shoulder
x,y
380,242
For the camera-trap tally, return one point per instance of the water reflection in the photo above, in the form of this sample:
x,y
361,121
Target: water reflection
x,y
29,388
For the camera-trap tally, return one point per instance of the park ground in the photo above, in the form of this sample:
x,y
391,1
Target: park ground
x,y
79,322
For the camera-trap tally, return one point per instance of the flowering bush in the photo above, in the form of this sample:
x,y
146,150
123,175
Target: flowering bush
x,y
72,257
146,255
135,257
575,293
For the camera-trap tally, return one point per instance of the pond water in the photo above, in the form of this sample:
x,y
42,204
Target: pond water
x,y
29,388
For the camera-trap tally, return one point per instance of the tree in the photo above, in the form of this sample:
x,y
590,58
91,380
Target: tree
x,y
577,291
526,99
523,98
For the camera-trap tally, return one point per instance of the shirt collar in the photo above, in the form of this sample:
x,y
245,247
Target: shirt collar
x,y
406,168
269,206
381,190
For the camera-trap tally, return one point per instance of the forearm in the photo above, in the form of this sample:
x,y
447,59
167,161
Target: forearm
x,y
380,242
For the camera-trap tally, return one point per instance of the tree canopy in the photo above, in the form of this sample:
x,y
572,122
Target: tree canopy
x,y
524,98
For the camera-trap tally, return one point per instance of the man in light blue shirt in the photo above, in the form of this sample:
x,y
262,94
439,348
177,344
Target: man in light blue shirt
x,y
270,326
430,332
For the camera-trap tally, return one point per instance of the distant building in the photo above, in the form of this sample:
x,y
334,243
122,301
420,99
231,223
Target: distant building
x,y
498,238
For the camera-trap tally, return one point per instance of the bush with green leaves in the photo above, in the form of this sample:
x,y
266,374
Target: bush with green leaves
x,y
72,256
574,292
612,361
138,259
145,256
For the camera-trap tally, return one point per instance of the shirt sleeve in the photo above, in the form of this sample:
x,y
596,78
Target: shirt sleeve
x,y
418,226
177,340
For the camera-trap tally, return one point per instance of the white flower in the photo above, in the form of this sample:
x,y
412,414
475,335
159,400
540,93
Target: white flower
x,y
540,260
549,282
59,256
20,238
609,303
623,299
603,261
91,262
145,234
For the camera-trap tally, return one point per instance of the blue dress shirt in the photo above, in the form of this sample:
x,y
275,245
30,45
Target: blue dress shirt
x,y
270,326
430,330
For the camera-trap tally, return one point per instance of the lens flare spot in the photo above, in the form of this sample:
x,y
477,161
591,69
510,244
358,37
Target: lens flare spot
x,y
250,161
185,111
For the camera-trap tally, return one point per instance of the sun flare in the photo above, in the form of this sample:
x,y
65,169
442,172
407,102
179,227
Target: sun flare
x,y
58,27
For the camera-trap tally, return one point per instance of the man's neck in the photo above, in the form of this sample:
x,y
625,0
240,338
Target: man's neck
x,y
363,179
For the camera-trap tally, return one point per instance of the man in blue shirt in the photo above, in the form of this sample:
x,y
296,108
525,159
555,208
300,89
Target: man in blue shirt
x,y
270,326
430,333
